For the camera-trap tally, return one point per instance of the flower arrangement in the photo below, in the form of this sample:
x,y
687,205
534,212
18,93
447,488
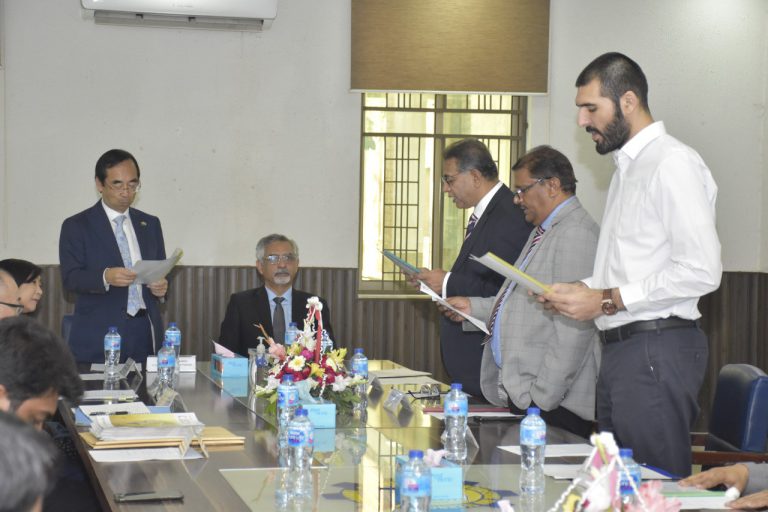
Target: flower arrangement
x,y
319,375
596,489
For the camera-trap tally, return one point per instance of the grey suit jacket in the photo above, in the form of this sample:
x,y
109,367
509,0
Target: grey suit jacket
x,y
758,478
546,358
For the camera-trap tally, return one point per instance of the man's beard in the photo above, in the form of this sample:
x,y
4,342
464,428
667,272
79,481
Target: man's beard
x,y
614,136
282,278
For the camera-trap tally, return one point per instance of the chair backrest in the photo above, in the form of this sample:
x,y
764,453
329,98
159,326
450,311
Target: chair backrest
x,y
739,420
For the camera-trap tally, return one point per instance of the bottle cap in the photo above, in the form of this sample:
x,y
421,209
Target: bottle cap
x,y
625,452
534,410
415,454
172,324
287,378
293,324
112,328
456,385
358,351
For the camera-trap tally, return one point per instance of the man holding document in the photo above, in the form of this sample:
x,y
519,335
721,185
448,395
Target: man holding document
x,y
97,249
532,357
471,180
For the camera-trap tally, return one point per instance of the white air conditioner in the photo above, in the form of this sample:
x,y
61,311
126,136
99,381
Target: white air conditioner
x,y
210,14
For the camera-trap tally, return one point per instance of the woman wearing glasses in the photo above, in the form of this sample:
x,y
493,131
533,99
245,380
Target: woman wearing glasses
x,y
28,277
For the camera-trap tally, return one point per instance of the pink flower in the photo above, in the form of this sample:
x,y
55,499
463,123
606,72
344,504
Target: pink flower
x,y
277,351
654,501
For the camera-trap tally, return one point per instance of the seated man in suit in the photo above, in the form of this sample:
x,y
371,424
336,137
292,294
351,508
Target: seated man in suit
x,y
535,358
274,305
9,296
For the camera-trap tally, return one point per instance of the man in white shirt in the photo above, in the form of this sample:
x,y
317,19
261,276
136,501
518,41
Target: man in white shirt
x,y
658,253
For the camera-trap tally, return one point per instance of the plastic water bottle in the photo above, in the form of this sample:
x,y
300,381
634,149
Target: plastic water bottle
x,y
111,352
287,402
301,441
533,441
262,367
291,333
415,484
174,334
166,364
627,492
456,410
359,368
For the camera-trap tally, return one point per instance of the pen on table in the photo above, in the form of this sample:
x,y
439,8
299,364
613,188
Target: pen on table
x,y
106,413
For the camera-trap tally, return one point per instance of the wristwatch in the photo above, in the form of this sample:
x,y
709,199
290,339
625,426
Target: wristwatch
x,y
608,306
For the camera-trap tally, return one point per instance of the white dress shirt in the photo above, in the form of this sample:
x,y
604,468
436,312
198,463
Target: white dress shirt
x,y
478,212
658,242
130,234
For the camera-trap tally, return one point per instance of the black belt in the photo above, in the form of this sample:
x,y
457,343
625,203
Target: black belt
x,y
626,331
139,314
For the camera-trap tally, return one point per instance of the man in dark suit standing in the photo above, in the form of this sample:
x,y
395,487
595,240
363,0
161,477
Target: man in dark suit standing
x,y
471,179
97,250
274,305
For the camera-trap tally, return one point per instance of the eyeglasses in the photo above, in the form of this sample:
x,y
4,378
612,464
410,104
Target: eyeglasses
x,y
449,179
18,307
522,190
132,186
274,259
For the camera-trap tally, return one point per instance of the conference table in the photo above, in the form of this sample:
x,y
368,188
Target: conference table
x,y
354,462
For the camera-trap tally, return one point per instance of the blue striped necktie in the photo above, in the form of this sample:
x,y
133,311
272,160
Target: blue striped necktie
x,y
134,290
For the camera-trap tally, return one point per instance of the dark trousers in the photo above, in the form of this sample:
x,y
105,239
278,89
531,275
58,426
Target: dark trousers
x,y
561,418
137,339
647,394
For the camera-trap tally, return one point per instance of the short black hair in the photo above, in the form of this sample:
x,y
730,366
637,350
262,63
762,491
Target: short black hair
x,y
110,159
34,361
617,74
22,271
472,154
27,464
544,162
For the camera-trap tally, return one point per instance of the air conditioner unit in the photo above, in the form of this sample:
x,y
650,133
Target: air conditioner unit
x,y
210,14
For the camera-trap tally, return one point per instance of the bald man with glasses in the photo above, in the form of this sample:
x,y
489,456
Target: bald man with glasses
x,y
273,306
97,250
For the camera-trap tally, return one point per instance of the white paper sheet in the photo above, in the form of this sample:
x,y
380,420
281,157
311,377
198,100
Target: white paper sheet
x,y
91,376
99,367
149,271
570,471
142,454
108,409
557,450
469,318
497,264
110,394
222,350
422,379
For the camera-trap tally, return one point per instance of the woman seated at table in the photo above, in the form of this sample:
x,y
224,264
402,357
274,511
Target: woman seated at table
x,y
29,279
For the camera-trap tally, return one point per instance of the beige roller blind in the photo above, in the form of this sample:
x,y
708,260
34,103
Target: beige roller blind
x,y
450,45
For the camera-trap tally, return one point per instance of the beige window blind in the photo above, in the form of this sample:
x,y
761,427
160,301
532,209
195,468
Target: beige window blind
x,y
450,45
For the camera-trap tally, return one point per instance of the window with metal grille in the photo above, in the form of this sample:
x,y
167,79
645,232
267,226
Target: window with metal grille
x,y
401,201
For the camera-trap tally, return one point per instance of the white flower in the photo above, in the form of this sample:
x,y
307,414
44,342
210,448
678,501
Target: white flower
x,y
297,363
314,303
338,385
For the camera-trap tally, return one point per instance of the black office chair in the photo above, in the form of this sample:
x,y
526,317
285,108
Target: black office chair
x,y
738,426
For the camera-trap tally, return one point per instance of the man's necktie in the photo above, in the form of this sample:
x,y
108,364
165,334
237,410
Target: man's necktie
x,y
470,225
278,321
134,290
494,340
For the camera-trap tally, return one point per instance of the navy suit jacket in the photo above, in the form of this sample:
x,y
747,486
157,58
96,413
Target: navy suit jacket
x,y
502,229
238,332
87,246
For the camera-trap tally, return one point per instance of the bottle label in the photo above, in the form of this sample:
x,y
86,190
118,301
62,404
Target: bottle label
x,y
174,337
533,436
112,343
360,367
166,361
456,408
414,486
299,437
287,396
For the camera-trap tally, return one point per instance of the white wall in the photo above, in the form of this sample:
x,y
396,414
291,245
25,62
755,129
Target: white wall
x,y
242,134
238,134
